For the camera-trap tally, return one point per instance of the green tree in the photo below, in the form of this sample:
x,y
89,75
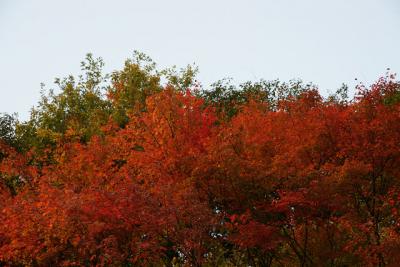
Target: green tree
x,y
132,85
139,79
7,128
77,111
228,98
182,79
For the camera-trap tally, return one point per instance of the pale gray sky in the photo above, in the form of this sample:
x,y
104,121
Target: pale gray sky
x,y
326,42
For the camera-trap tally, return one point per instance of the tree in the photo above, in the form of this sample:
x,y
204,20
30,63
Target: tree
x,y
228,98
140,79
264,174
7,128
78,111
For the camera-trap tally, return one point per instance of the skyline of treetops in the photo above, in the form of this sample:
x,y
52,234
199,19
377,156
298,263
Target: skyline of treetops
x,y
146,167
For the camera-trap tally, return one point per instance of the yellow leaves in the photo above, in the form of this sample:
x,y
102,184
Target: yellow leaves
x,y
48,134
73,133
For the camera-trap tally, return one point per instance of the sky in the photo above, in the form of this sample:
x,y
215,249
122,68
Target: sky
x,y
324,42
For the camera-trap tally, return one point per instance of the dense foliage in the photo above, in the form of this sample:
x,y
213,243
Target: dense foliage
x,y
123,170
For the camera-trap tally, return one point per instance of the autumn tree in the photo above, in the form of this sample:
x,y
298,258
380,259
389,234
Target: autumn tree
x,y
139,79
143,171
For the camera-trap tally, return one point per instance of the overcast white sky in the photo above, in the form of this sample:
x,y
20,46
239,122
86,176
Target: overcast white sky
x,y
326,42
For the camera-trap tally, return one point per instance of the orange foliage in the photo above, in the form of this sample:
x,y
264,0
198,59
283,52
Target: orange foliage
x,y
312,182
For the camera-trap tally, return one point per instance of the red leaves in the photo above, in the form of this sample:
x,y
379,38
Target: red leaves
x,y
256,235
310,182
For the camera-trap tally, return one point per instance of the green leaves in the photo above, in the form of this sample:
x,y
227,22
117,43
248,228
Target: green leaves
x,y
7,129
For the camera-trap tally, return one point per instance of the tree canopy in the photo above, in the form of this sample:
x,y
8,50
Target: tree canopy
x,y
145,167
